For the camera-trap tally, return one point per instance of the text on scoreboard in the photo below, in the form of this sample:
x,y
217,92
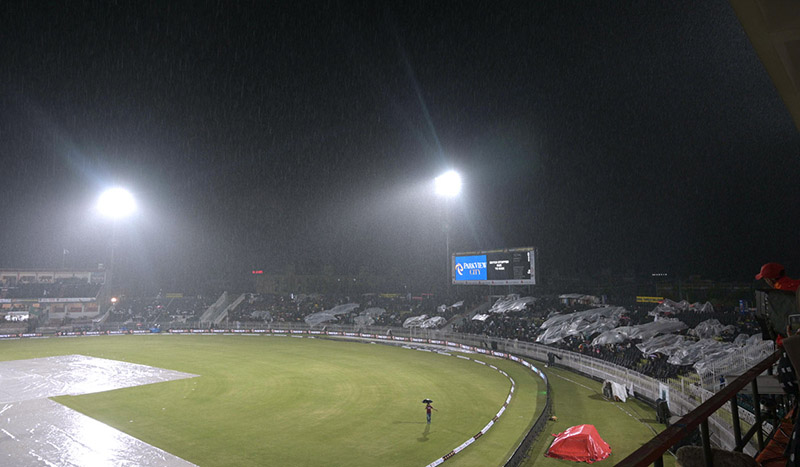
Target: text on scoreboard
x,y
495,267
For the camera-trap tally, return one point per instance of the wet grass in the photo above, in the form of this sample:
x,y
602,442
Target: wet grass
x,y
578,400
287,401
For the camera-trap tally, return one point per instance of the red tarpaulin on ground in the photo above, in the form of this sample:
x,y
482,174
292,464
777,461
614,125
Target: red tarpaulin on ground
x,y
579,443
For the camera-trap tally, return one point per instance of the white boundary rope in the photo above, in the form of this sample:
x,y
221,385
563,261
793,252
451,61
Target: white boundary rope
x,y
483,431
312,333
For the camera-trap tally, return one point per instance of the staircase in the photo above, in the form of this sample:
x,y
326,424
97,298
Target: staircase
x,y
224,314
213,311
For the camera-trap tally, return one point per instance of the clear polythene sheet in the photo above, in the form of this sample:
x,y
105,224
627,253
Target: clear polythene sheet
x,y
670,307
414,321
319,317
74,375
511,302
41,432
583,323
37,431
643,332
701,353
711,328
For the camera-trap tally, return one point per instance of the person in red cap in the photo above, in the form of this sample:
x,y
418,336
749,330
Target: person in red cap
x,y
774,274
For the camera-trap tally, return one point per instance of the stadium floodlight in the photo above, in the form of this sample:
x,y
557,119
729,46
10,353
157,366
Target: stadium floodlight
x,y
448,184
116,203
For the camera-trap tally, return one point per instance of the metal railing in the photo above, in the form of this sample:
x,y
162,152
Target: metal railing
x,y
652,452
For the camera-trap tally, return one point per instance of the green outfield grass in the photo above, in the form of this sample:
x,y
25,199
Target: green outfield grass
x,y
263,400
287,401
578,400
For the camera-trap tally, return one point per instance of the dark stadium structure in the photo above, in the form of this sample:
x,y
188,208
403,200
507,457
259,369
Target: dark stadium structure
x,y
503,325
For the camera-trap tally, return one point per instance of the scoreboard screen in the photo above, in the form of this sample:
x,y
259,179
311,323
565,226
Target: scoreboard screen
x,y
498,267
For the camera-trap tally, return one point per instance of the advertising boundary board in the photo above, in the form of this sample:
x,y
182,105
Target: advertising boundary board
x,y
390,340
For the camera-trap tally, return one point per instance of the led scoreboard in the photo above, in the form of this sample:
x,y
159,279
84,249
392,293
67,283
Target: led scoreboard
x,y
496,267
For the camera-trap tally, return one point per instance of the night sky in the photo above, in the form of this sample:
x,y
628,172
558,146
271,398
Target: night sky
x,y
639,138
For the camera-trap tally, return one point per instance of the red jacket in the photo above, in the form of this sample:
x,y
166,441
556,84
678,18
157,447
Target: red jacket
x,y
787,283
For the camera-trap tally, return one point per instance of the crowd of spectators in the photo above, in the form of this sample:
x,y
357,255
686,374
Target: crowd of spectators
x,y
521,324
628,356
524,325
63,288
270,308
133,312
470,316
13,327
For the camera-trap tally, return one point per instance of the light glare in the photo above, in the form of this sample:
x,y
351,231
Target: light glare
x,y
448,184
116,203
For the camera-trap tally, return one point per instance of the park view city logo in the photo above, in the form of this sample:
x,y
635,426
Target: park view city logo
x,y
470,268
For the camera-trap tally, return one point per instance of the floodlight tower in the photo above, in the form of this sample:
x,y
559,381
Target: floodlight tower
x,y
115,204
448,186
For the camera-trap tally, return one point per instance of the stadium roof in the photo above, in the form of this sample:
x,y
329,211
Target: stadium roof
x,y
773,27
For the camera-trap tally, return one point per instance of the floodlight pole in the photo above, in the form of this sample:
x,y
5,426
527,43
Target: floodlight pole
x,y
447,186
110,271
114,204
448,271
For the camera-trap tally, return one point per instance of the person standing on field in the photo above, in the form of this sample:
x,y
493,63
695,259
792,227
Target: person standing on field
x,y
428,408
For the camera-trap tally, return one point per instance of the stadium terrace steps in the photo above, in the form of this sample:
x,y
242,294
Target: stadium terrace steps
x,y
212,311
229,308
217,312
